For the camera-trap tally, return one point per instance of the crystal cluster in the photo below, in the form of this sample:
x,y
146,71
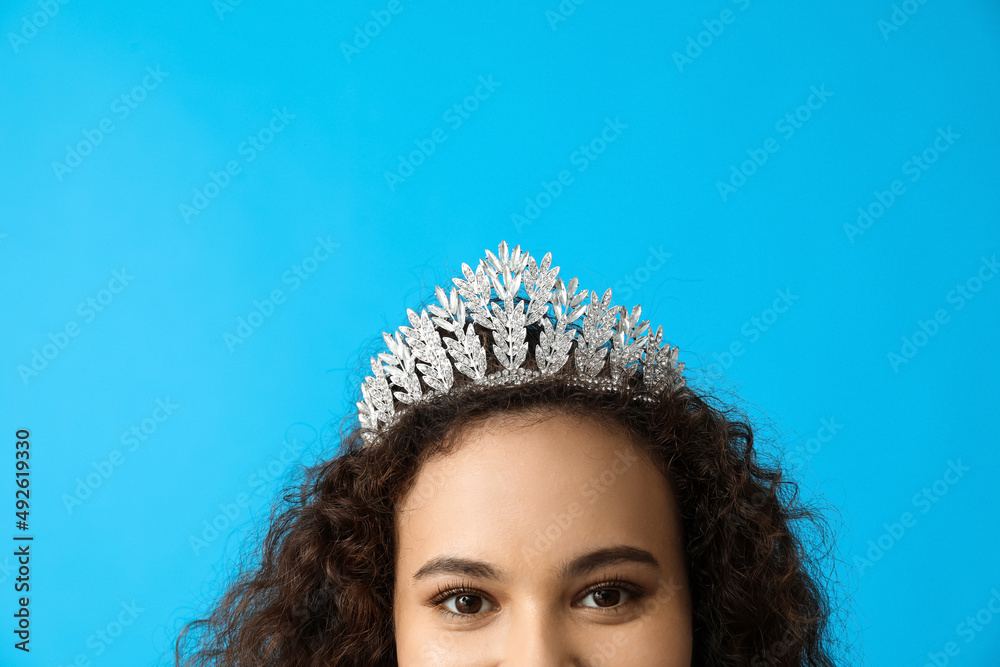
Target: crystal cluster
x,y
508,292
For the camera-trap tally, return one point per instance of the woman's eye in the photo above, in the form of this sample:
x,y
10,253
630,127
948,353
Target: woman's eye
x,y
605,597
467,603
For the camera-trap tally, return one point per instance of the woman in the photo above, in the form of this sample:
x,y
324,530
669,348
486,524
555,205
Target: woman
x,y
530,481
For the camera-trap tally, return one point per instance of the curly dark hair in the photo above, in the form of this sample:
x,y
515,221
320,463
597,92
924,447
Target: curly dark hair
x,y
319,589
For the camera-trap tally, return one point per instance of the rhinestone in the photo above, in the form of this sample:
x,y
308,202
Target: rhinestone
x,y
598,336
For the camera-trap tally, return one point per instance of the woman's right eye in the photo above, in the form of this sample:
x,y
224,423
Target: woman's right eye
x,y
466,604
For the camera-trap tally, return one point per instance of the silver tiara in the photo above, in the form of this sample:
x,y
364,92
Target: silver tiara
x,y
507,293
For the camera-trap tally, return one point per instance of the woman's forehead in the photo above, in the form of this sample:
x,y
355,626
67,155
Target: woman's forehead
x,y
562,477
560,450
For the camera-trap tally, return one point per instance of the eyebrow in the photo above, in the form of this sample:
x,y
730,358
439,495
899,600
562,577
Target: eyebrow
x,y
609,556
577,567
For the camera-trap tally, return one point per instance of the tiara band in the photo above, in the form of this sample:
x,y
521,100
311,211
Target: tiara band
x,y
508,292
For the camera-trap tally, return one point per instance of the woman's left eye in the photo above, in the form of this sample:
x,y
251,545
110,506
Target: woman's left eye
x,y
606,597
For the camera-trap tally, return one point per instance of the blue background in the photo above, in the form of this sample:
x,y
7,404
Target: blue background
x,y
647,215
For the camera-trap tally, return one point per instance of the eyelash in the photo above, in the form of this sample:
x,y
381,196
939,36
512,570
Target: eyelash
x,y
448,591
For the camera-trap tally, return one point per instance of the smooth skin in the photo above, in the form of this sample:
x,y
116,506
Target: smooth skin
x,y
541,540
